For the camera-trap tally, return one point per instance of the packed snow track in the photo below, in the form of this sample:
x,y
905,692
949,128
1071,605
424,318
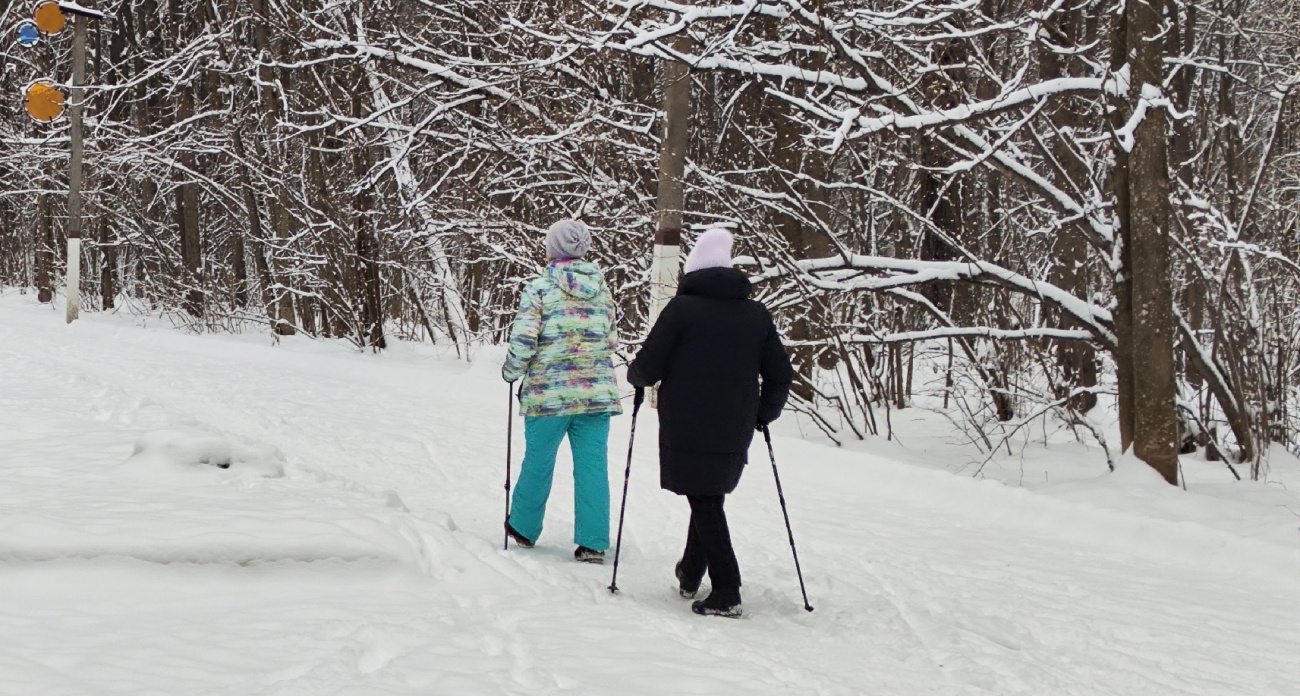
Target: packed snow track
x,y
186,514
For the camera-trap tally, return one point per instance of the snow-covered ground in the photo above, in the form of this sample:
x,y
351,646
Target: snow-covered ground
x,y
188,514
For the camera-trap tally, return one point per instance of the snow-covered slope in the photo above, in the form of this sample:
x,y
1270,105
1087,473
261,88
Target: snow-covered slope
x,y
352,546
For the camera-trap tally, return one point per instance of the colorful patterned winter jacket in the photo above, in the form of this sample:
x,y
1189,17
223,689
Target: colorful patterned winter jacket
x,y
563,341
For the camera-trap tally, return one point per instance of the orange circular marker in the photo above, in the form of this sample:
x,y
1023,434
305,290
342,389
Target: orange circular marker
x,y
45,101
49,18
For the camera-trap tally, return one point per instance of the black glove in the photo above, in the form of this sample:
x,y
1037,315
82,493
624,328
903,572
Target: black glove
x,y
638,396
762,426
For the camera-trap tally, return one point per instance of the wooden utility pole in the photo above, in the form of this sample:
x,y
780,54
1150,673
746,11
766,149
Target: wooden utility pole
x,y
74,172
672,189
81,16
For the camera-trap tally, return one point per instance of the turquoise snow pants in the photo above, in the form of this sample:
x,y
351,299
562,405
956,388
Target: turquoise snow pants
x,y
589,440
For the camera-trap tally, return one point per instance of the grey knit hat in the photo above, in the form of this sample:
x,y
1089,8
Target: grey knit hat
x,y
568,239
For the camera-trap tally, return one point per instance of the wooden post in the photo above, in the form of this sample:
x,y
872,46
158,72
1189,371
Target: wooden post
x,y
80,16
74,174
671,199
672,189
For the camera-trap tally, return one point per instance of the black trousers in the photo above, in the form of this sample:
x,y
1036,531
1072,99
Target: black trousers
x,y
708,547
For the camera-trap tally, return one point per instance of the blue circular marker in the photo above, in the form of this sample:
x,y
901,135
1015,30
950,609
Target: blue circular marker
x,y
28,34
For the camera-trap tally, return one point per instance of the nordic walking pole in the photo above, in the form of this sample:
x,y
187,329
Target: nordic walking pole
x,y
510,439
780,494
618,545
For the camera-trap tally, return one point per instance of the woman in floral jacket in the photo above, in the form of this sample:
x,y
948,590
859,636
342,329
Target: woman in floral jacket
x,y
561,345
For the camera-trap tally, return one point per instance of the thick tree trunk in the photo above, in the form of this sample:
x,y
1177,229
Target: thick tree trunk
x,y
1119,180
1150,215
187,219
372,316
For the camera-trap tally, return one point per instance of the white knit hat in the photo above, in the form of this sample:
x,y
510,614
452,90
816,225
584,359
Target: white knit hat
x,y
712,250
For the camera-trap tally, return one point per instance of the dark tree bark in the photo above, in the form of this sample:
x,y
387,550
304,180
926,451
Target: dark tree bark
x,y
108,259
187,196
1119,181
791,157
283,317
187,221
1149,315
367,243
286,323
1070,269
44,250
940,193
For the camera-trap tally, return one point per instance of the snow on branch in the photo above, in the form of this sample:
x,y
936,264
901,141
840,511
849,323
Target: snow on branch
x,y
828,274
1152,98
1257,250
960,332
439,71
690,14
962,112
1101,230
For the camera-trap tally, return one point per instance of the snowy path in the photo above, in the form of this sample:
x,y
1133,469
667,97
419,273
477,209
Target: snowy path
x,y
319,582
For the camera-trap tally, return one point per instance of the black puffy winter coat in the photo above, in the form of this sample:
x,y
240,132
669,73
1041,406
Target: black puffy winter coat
x,y
707,351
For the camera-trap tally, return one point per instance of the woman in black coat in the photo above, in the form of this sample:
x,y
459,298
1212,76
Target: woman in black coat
x,y
707,351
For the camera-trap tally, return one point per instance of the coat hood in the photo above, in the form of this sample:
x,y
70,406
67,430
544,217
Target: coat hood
x,y
577,278
717,283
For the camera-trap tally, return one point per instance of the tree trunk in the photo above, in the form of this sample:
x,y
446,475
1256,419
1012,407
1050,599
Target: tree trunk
x,y
1070,272
367,244
44,250
187,219
1151,315
255,231
282,316
286,322
108,260
1119,180
786,154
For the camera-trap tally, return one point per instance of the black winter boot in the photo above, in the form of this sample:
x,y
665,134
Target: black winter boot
x,y
518,538
586,555
725,604
686,588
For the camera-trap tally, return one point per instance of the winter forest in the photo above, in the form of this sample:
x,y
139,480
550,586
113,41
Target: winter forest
x,y
1029,271
1056,200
